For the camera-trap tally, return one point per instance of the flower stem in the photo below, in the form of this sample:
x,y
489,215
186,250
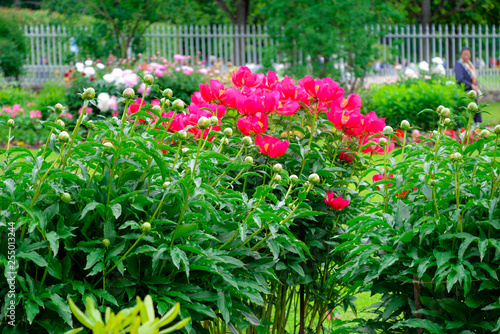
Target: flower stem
x,y
37,192
73,135
8,145
124,118
140,105
48,139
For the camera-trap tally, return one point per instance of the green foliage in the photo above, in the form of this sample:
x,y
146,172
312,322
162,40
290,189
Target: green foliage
x,y
12,45
431,246
405,99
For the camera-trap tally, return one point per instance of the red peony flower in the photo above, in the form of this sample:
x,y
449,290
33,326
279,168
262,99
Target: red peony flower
x,y
212,92
352,102
249,106
253,125
136,106
371,124
271,146
245,77
379,177
346,121
325,90
405,192
374,148
336,203
399,133
347,155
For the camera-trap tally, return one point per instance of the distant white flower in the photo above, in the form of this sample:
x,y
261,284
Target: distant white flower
x,y
109,78
117,73
100,66
88,62
79,66
410,73
439,69
103,101
423,66
89,71
437,60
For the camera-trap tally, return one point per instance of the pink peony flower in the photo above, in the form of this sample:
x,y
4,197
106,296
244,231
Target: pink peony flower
x,y
35,114
336,203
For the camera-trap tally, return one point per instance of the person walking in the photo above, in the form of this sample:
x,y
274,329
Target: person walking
x,y
465,73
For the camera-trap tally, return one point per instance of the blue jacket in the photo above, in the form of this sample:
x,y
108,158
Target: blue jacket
x,y
463,76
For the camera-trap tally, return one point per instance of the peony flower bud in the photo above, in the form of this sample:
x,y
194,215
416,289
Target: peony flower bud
x,y
128,93
247,141
472,107
405,125
439,109
277,168
106,242
168,93
388,129
214,120
433,182
314,178
165,185
148,79
182,134
497,129
59,108
277,178
114,120
224,141
294,178
66,198
90,124
88,94
60,122
228,132
447,121
485,134
146,227
11,123
165,102
108,144
472,95
445,112
434,133
382,141
456,156
63,136
185,150
156,109
178,105
249,160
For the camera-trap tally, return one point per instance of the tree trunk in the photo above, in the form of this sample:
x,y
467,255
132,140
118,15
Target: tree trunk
x,y
418,303
302,310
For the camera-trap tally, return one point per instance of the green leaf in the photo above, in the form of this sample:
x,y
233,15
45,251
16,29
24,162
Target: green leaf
x,y
420,323
221,304
395,303
94,256
33,256
117,210
203,309
89,207
53,239
442,257
62,308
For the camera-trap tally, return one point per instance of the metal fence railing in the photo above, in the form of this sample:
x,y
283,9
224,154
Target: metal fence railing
x,y
50,51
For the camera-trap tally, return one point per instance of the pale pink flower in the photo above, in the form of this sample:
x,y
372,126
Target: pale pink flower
x,y
115,113
141,89
179,57
35,114
87,111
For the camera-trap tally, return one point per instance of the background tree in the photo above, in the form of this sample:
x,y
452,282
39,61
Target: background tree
x,y
12,45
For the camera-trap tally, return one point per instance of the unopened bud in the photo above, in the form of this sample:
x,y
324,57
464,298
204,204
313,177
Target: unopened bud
x,y
497,129
294,178
228,132
434,133
405,125
277,178
90,124
314,178
472,95
382,141
185,150
201,122
165,102
128,93
156,109
88,94
178,104
165,185
247,141
388,129
11,123
277,168
447,121
106,242
214,120
64,136
485,134
456,157
146,227
148,79
168,93
433,182
224,141
182,134
66,198
439,109
108,144
249,160
60,122
59,108
472,106
445,112
114,120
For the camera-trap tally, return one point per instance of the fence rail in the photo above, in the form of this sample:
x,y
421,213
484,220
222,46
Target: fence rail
x,y
50,52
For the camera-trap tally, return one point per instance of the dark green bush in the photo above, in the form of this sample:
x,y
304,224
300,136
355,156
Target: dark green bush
x,y
405,99
12,46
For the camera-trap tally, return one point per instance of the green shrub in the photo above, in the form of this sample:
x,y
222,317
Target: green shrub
x,y
405,99
53,92
12,45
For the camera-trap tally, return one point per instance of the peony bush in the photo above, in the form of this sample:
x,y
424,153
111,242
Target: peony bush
x,y
250,206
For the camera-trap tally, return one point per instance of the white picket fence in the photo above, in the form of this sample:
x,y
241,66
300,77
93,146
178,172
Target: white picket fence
x,y
50,53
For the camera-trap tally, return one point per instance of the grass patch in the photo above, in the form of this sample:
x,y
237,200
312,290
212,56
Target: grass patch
x,y
493,116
